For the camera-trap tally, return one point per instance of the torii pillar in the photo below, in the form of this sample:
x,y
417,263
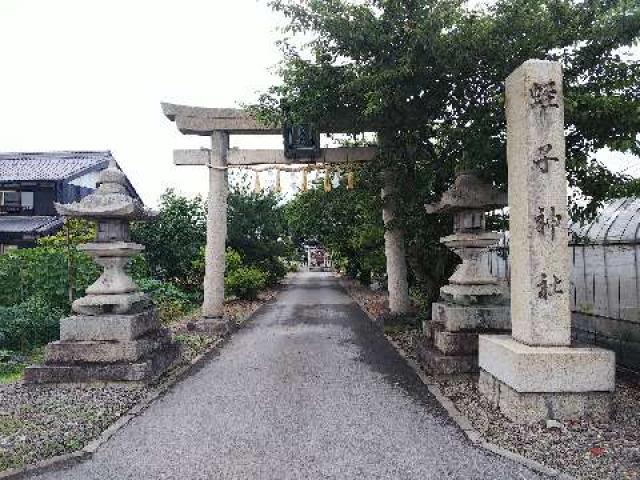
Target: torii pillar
x,y
213,306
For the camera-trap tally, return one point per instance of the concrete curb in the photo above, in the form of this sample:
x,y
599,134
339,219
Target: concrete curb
x,y
70,459
474,436
44,466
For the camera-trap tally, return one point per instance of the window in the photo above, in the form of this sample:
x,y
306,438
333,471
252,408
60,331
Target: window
x,y
10,198
16,202
10,201
7,248
26,200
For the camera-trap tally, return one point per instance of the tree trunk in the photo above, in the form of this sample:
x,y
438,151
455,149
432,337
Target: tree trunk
x,y
394,249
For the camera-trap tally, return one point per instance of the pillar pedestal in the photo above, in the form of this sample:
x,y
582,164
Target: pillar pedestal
x,y
220,326
532,384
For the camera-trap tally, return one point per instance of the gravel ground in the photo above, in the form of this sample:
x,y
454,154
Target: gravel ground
x,y
194,343
582,449
38,422
585,449
41,422
310,390
376,304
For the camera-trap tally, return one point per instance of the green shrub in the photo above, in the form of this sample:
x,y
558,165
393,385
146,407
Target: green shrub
x,y
138,268
273,268
75,231
173,241
232,260
35,288
28,325
240,280
171,302
164,291
245,282
45,272
257,229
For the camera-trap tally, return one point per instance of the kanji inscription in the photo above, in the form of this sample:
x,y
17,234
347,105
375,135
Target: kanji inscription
x,y
548,289
544,95
544,223
542,158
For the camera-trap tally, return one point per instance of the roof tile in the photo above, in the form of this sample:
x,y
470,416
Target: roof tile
x,y
52,166
36,224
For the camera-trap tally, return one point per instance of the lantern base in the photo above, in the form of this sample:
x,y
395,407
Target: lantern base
x,y
437,363
145,370
106,348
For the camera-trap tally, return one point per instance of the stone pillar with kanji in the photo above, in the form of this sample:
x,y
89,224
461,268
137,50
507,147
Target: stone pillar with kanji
x,y
534,373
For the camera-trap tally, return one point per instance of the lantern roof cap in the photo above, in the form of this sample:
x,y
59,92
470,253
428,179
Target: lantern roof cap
x,y
469,192
110,200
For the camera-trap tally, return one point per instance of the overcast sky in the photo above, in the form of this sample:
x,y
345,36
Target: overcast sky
x,y
90,75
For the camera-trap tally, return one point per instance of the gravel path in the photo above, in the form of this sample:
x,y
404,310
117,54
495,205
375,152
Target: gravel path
x,y
309,391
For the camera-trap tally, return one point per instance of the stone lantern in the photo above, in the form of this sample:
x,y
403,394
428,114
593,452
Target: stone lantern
x,y
113,334
474,301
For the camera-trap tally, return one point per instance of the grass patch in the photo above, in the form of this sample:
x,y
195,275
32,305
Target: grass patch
x,y
11,377
9,425
12,364
193,344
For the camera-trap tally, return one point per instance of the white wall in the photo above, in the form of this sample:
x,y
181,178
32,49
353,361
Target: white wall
x,y
88,181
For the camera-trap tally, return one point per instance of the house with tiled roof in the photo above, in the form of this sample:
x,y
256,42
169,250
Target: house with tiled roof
x,y
30,183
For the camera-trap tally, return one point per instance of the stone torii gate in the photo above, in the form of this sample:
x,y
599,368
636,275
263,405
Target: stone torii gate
x,y
219,124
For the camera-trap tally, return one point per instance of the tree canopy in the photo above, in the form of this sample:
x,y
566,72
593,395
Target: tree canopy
x,y
428,77
175,239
